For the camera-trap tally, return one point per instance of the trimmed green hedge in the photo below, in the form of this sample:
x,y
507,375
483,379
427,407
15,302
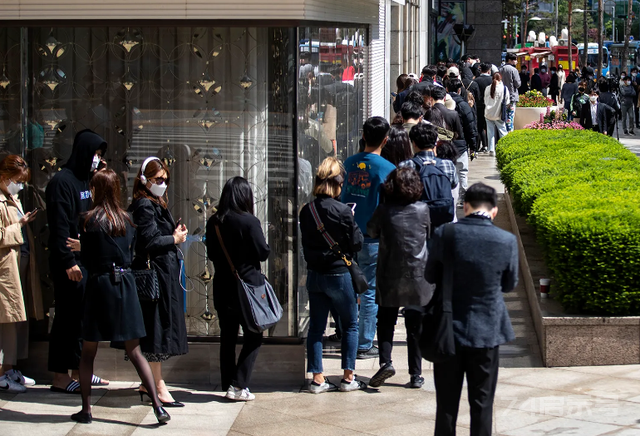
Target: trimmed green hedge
x,y
581,192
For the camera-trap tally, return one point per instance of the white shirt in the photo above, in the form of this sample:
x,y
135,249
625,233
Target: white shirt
x,y
493,106
594,111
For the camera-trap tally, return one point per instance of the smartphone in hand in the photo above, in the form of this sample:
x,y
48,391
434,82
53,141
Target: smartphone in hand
x,y
352,206
178,223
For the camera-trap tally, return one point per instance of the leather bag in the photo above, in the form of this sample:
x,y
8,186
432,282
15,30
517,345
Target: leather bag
x,y
358,279
147,283
437,342
259,305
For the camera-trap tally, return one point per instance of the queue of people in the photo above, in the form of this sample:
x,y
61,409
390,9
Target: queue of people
x,y
98,250
395,220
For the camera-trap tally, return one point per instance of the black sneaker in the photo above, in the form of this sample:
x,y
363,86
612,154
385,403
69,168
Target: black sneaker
x,y
334,338
368,354
632,132
385,372
626,132
416,381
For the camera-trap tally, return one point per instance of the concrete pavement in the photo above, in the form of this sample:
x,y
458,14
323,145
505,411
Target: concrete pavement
x,y
530,400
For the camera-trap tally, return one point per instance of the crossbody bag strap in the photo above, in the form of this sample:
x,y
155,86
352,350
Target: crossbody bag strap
x,y
333,245
226,253
447,284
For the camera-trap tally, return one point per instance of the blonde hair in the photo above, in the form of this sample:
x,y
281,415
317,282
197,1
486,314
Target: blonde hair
x,y
329,178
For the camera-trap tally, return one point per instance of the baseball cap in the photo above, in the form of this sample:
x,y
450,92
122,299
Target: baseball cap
x,y
453,72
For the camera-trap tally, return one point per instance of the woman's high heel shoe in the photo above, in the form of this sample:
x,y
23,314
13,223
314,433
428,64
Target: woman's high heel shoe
x,y
161,415
171,404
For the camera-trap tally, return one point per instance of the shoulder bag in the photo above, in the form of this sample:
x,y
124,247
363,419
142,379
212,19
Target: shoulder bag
x,y
259,305
147,283
437,342
504,116
359,280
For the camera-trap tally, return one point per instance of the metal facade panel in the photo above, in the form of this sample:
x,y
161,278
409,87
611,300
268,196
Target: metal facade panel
x,y
352,11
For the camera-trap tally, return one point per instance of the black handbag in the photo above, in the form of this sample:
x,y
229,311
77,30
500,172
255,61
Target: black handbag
x,y
359,280
504,115
147,283
437,343
259,305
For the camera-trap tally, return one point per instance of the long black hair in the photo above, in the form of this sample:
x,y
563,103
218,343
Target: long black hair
x,y
236,197
398,146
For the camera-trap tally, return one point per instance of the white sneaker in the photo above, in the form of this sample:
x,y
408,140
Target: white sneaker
x,y
236,394
354,385
326,386
17,377
8,385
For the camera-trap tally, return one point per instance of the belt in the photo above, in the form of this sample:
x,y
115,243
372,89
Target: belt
x,y
102,272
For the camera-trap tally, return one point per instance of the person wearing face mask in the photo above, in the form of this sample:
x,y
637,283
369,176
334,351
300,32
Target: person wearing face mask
x,y
578,100
158,237
67,197
628,96
20,294
545,79
598,116
634,83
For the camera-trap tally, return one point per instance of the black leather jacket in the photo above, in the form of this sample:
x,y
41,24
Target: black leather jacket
x,y
340,224
402,257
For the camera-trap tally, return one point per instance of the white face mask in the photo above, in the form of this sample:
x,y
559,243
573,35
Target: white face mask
x,y
593,98
95,162
14,188
158,190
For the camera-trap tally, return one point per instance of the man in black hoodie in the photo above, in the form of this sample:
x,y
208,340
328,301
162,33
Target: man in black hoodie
x,y
68,196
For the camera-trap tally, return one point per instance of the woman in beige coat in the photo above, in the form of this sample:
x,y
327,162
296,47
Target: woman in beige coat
x,y
19,284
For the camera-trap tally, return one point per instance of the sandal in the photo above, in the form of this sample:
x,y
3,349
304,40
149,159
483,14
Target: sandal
x,y
72,388
97,381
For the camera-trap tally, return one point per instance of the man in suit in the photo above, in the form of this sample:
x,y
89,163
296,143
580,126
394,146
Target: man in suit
x,y
598,116
480,319
452,120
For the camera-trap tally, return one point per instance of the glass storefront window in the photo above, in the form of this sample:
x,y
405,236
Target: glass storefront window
x,y
331,101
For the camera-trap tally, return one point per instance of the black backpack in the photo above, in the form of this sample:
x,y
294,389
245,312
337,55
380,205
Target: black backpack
x,y
437,191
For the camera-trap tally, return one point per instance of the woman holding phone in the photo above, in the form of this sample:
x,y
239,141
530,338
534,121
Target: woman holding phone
x,y
157,245
20,295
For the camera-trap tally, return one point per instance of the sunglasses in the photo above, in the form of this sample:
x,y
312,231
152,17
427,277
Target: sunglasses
x,y
158,180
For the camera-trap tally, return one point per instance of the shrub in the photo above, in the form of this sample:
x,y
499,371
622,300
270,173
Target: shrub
x,y
580,191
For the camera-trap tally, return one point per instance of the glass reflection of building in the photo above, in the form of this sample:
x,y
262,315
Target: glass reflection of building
x,y
266,103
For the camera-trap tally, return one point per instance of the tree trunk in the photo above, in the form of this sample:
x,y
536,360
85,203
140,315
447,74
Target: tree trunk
x,y
585,29
524,25
600,37
569,43
627,34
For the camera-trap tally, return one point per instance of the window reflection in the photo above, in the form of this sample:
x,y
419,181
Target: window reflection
x,y
331,102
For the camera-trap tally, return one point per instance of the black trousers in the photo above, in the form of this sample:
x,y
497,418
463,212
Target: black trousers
x,y
237,373
481,367
387,318
482,128
65,341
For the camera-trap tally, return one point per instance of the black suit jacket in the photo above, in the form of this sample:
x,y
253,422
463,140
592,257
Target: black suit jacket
x,y
605,115
485,264
452,120
483,82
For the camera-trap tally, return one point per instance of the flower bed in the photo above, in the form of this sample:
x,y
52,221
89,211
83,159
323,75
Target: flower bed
x,y
534,98
580,191
554,120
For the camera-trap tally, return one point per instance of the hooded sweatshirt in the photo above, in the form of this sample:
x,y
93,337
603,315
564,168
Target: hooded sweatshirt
x,y
68,196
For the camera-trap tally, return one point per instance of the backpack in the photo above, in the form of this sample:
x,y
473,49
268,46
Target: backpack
x,y
437,191
577,101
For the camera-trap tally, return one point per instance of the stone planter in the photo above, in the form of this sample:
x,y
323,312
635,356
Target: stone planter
x,y
526,115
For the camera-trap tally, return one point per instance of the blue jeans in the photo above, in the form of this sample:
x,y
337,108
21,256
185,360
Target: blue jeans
x,y
328,291
368,261
495,127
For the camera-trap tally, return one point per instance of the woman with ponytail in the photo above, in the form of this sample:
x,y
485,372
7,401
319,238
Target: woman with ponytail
x,y
496,99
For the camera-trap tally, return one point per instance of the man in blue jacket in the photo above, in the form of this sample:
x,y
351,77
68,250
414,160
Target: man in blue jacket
x,y
366,172
485,265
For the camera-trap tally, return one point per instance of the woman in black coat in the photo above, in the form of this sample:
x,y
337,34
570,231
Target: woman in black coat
x,y
157,243
403,225
245,243
111,307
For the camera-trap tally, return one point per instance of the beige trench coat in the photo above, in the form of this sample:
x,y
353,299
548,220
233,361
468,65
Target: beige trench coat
x,y
13,306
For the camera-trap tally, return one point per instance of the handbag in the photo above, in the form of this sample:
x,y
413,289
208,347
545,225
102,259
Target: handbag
x,y
147,283
358,279
259,305
437,343
504,116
